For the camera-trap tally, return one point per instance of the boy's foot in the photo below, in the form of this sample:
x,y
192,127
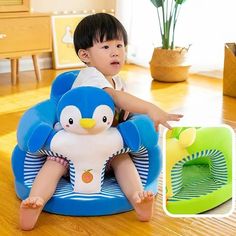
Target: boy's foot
x,y
30,210
143,205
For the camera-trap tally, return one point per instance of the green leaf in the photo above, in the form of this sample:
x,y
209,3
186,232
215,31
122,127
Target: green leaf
x,y
157,3
180,1
176,132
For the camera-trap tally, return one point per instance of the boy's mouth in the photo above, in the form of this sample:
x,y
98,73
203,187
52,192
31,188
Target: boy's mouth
x,y
115,63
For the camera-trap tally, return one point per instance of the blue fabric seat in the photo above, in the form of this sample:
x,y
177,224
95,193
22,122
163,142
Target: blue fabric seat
x,y
111,200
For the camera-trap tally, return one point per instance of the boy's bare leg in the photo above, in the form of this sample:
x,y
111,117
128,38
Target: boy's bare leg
x,y
128,178
42,190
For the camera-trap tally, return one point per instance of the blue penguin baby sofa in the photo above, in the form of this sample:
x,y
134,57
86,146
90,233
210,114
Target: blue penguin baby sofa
x,y
89,191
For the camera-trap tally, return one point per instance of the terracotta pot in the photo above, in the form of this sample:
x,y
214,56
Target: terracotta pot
x,y
169,65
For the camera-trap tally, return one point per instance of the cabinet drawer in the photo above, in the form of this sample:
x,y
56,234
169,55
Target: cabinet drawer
x,y
25,34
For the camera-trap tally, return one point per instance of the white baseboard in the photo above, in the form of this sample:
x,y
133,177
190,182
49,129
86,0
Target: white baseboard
x,y
26,64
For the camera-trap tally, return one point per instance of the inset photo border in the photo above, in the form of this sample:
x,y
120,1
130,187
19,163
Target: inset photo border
x,y
199,171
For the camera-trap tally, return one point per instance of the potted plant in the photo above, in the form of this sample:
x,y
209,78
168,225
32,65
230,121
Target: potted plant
x,y
169,63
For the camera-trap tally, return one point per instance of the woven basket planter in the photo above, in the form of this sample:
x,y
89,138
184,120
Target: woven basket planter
x,y
169,65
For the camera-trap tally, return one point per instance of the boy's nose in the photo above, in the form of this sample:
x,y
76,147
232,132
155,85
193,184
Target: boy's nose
x,y
114,53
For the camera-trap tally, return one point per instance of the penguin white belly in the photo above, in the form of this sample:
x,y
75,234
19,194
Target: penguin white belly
x,y
88,154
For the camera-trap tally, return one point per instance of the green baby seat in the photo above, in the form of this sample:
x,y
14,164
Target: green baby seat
x,y
198,168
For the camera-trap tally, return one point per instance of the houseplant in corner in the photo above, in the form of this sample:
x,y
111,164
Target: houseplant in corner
x,y
169,63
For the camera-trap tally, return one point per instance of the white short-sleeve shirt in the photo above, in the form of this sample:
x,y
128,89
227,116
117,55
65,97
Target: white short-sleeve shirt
x,y
90,76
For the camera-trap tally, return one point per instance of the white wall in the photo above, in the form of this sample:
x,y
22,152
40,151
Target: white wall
x,y
207,25
71,5
57,6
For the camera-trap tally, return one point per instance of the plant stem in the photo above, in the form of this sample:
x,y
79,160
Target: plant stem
x,y
171,8
167,26
164,26
174,24
167,10
161,30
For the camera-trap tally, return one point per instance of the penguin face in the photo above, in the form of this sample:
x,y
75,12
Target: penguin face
x,y
72,121
86,110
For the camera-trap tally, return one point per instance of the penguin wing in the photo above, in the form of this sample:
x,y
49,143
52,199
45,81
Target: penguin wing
x,y
130,135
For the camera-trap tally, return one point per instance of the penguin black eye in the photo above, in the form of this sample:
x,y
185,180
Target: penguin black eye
x,y
70,121
104,119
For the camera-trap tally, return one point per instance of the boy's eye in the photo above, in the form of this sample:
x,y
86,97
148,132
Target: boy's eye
x,y
119,45
105,47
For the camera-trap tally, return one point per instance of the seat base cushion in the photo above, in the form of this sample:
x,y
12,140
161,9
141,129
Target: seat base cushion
x,y
111,200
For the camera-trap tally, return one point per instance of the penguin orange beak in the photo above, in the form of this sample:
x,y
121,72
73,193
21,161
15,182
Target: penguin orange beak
x,y
87,123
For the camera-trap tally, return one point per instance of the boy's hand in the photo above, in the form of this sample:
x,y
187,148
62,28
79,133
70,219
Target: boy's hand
x,y
126,115
161,117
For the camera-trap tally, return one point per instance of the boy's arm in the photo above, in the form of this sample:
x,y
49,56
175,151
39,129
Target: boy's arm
x,y
133,104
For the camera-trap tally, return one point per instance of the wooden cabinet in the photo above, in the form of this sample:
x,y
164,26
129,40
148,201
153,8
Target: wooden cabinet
x,y
14,5
24,34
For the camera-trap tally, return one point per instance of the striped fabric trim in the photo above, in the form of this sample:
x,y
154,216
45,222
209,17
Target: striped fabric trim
x,y
50,153
141,162
110,187
218,177
32,165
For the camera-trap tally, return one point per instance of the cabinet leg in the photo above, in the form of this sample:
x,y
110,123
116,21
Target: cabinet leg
x,y
36,68
17,68
14,69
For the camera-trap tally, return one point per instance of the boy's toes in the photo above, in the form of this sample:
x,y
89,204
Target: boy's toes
x,y
150,194
32,202
142,195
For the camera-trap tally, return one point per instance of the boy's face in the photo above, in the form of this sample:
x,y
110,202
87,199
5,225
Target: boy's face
x,y
108,56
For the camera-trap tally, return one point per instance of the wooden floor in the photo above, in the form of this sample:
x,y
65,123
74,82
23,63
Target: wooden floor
x,y
199,99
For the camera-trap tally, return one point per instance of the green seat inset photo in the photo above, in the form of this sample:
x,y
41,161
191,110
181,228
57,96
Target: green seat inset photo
x,y
198,168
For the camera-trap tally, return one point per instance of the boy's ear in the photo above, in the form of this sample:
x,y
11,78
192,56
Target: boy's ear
x,y
83,55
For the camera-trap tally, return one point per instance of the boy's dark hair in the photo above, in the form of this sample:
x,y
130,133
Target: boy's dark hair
x,y
98,28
